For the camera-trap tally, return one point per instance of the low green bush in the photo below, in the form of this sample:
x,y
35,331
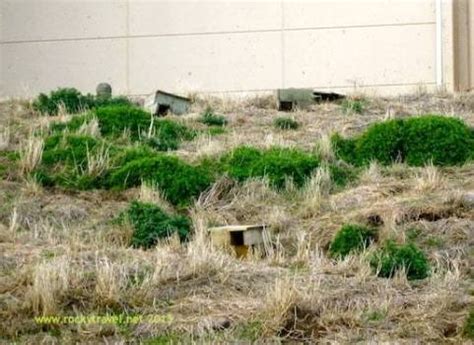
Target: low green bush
x,y
150,224
70,149
73,101
468,329
179,181
277,164
169,134
137,124
443,140
65,161
351,238
384,142
211,119
393,257
114,120
285,123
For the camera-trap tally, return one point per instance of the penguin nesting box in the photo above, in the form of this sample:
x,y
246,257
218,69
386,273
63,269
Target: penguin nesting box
x,y
239,237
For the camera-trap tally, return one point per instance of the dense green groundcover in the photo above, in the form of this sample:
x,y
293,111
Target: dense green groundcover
x,y
277,164
393,257
351,238
150,224
73,101
180,182
133,123
416,141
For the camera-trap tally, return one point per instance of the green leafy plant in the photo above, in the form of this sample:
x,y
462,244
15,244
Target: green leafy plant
x,y
73,101
351,238
440,139
179,181
383,142
285,123
432,138
150,224
277,164
139,125
68,161
211,119
393,257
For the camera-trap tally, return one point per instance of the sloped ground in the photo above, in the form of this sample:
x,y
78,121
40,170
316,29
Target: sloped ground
x,y
63,255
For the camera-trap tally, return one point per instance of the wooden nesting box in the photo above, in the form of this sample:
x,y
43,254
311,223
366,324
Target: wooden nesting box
x,y
239,237
161,102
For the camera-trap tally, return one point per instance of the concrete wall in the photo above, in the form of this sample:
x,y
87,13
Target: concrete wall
x,y
220,46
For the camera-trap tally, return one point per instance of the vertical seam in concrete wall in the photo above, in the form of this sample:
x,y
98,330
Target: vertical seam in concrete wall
x,y
282,44
127,46
470,18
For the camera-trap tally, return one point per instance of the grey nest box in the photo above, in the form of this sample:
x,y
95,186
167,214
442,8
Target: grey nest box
x,y
161,102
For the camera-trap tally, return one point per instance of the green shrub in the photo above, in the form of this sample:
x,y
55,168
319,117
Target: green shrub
x,y
168,135
70,98
114,120
354,106
351,238
344,148
392,257
383,142
73,101
416,141
150,224
211,119
285,123
277,164
65,161
443,140
179,181
70,149
342,173
468,330
117,119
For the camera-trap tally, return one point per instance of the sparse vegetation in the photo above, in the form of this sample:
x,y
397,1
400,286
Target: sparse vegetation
x,y
392,258
211,119
354,105
351,238
285,123
150,224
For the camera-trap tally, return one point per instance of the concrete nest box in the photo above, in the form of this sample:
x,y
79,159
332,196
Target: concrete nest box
x,y
160,102
238,237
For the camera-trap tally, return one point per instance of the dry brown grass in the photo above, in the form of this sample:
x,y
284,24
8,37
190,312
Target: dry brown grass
x,y
61,254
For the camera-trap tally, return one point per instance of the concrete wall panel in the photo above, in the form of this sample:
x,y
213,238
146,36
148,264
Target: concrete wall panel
x,y
39,67
30,20
360,56
229,62
197,16
335,13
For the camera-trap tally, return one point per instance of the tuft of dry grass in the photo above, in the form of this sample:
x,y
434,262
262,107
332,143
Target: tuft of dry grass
x,y
429,178
31,152
4,138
